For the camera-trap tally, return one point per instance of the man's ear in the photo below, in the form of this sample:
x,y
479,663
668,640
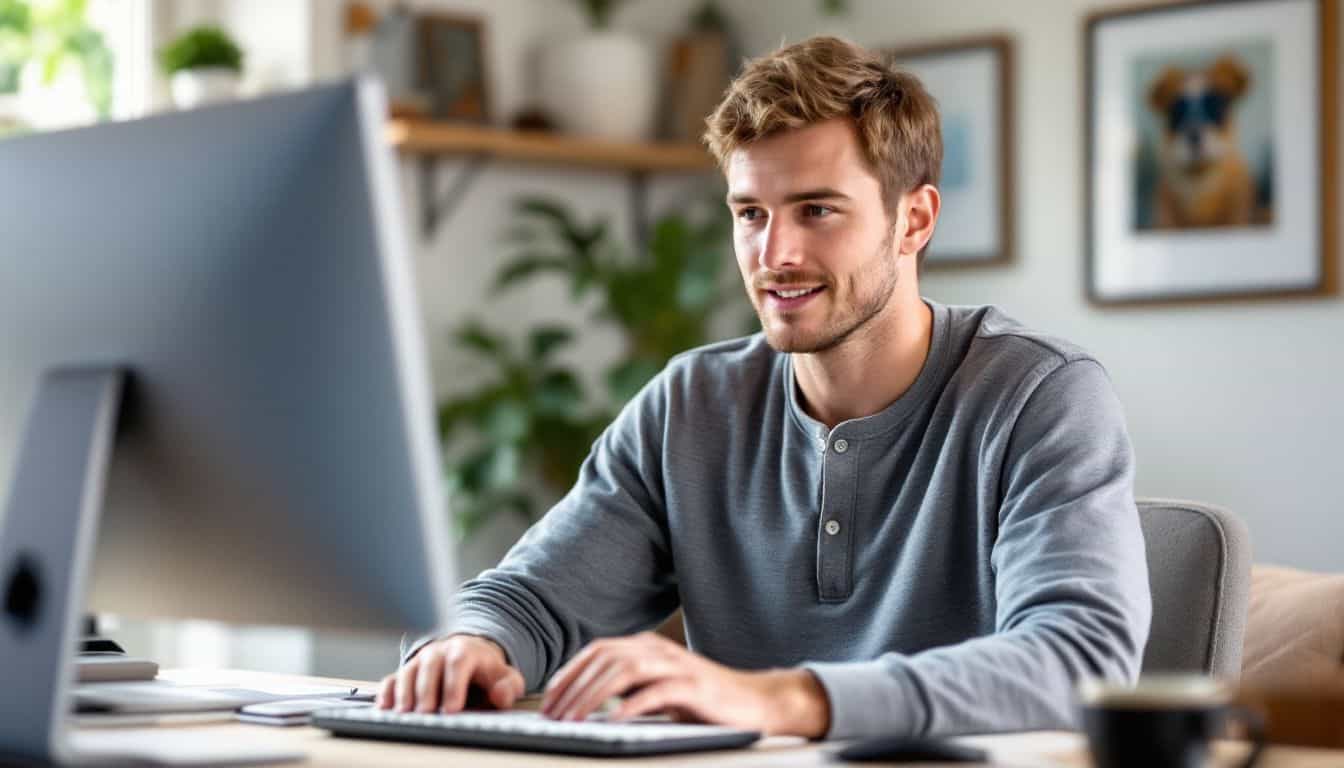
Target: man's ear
x,y
920,206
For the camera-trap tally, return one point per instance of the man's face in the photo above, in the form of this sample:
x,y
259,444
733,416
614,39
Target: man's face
x,y
813,240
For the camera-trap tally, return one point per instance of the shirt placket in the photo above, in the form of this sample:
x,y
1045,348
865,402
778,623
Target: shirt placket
x,y
839,483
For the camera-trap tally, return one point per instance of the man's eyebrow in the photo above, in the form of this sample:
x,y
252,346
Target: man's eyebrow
x,y
822,193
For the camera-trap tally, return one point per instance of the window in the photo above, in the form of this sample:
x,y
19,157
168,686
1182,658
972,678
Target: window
x,y
71,62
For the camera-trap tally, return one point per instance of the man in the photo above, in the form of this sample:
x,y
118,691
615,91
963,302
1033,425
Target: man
x,y
882,515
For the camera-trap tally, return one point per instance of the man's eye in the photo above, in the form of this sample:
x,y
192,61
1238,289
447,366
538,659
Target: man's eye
x,y
817,211
750,214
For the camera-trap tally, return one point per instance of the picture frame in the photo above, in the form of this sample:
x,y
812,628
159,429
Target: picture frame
x,y
451,66
972,81
1211,166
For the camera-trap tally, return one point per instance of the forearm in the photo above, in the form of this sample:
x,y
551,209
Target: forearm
x,y
1017,680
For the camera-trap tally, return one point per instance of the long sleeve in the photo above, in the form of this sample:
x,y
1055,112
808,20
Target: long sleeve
x,y
597,565
1071,587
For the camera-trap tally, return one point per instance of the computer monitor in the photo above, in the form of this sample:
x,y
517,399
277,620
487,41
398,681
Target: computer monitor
x,y
216,308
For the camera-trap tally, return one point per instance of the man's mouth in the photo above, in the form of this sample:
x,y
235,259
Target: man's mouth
x,y
792,298
793,292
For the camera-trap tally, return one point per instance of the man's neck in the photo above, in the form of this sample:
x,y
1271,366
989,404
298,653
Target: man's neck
x,y
871,369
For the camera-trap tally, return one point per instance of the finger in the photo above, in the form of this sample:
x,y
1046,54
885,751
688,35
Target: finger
x,y
507,690
602,682
670,694
429,682
586,685
633,670
564,678
406,683
458,670
387,691
502,684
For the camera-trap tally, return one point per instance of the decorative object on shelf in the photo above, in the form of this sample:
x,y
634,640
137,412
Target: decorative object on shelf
x,y
603,83
699,67
450,56
55,67
204,65
534,421
357,51
1211,154
972,81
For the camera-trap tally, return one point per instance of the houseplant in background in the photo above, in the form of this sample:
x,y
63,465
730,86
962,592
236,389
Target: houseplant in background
x,y
55,68
204,66
534,421
603,83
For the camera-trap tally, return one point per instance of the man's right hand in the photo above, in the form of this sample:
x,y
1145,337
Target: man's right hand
x,y
438,676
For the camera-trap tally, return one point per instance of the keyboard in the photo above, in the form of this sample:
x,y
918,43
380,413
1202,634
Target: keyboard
x,y
532,732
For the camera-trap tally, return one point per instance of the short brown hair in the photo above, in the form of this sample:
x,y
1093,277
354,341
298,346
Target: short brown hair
x,y
824,78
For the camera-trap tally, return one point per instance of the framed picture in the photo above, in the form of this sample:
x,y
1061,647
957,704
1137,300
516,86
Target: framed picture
x,y
972,81
450,56
1210,151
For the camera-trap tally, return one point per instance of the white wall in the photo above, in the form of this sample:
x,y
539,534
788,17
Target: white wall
x,y
1238,404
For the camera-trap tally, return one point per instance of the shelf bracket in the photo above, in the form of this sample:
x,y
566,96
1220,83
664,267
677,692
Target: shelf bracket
x,y
435,209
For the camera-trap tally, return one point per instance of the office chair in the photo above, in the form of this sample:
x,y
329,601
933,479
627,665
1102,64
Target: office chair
x,y
1199,568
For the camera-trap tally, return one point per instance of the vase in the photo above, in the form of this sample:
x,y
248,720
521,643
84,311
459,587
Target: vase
x,y
207,85
603,85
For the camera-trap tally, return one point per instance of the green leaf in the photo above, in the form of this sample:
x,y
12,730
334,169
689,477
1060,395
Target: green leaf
x,y
452,414
9,77
559,394
203,46
507,420
696,292
625,379
96,64
504,468
15,15
545,340
473,511
528,265
476,337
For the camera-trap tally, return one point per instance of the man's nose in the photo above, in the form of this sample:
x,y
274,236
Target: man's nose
x,y
781,246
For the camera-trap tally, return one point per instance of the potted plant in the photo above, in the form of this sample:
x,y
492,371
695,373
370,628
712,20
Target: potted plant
x,y
532,423
603,83
55,67
204,66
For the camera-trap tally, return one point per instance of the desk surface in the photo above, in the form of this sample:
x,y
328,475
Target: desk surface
x,y
1027,749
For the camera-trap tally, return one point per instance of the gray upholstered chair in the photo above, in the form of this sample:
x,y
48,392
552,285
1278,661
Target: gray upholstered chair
x,y
1199,567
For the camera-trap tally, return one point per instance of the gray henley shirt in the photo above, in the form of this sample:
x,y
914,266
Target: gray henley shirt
x,y
952,564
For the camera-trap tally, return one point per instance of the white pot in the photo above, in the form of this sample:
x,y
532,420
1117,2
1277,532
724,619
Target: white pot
x,y
208,85
603,85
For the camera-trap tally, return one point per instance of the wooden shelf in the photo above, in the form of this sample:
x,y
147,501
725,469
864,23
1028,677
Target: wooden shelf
x,y
432,138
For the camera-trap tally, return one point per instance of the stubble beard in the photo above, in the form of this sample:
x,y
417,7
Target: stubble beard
x,y
882,274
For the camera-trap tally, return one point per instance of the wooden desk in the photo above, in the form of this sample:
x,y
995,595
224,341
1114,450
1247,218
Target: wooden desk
x,y
1043,749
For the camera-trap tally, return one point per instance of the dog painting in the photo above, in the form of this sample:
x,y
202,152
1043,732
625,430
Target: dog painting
x,y
1205,159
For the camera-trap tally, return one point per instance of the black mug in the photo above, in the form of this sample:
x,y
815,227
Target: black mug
x,y
1165,721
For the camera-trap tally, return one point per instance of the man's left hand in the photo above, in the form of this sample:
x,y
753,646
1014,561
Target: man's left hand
x,y
659,676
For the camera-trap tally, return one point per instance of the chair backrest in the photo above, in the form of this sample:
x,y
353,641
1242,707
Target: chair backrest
x,y
1199,569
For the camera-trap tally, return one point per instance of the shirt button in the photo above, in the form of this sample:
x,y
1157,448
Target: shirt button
x,y
841,445
832,527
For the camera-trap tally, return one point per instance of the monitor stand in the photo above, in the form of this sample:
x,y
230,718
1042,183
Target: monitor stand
x,y
47,537
46,544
